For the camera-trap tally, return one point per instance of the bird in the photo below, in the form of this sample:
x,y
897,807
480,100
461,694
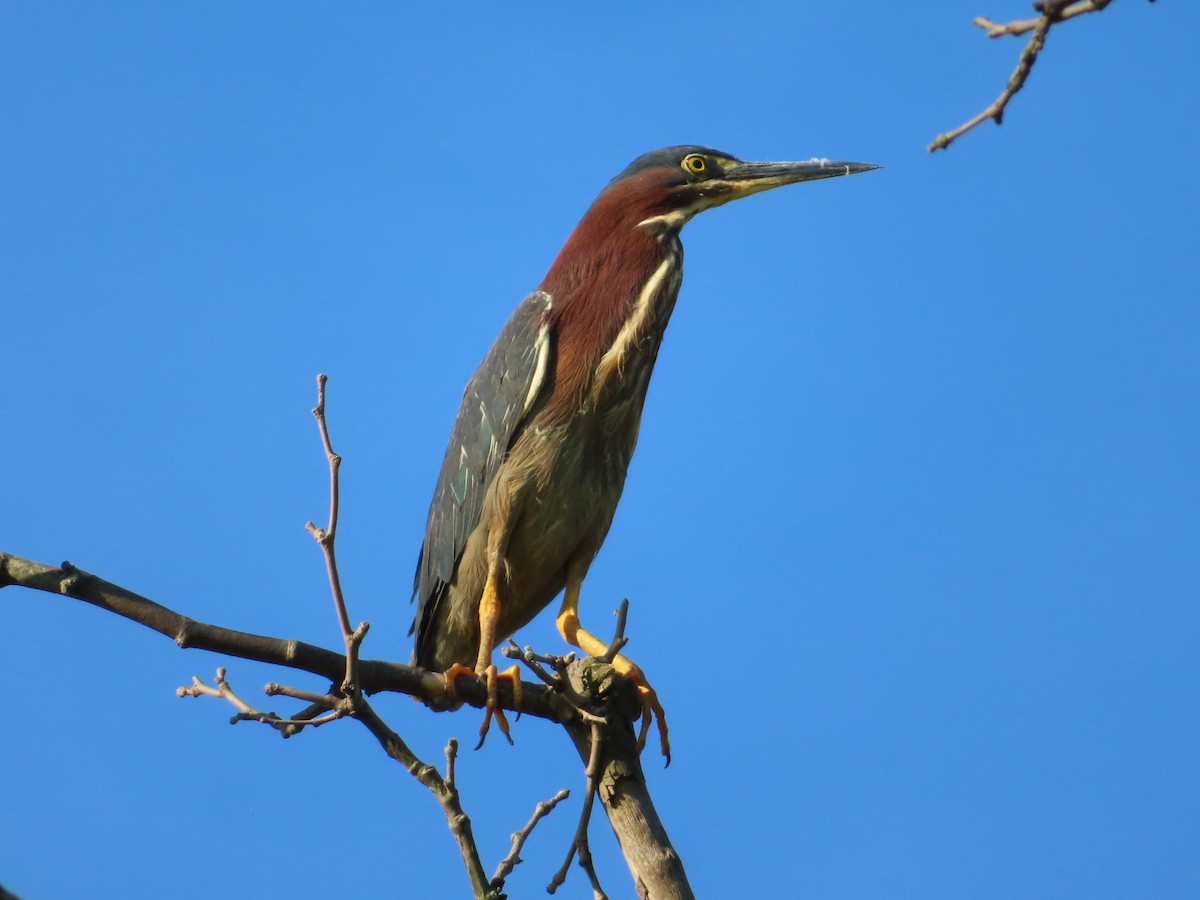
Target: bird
x,y
537,459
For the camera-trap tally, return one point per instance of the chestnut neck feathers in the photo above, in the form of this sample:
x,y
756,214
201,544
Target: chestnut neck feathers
x,y
597,281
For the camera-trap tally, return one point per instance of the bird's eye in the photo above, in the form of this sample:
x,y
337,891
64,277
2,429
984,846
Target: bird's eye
x,y
695,164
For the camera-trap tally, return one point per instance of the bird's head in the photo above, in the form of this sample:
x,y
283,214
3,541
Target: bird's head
x,y
675,183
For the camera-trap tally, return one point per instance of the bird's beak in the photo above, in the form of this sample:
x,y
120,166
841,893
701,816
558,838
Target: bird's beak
x,y
750,178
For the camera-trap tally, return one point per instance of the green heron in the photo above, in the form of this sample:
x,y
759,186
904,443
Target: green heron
x,y
548,424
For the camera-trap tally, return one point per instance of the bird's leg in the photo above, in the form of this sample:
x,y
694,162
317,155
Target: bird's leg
x,y
489,616
575,635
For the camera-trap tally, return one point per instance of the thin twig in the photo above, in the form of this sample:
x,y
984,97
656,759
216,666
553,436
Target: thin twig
x,y
353,644
327,535
558,663
320,702
580,842
280,723
558,680
1052,12
518,840
1015,82
442,788
651,708
535,662
451,756
619,640
586,863
332,706
312,714
1016,27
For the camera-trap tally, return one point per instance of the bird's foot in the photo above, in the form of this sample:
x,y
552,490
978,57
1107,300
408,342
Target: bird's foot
x,y
491,677
652,706
652,709
450,675
574,634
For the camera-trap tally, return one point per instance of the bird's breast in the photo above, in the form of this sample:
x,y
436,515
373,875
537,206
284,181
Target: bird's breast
x,y
577,481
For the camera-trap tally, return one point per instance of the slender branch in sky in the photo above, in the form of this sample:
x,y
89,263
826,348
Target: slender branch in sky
x,y
1051,12
327,535
519,838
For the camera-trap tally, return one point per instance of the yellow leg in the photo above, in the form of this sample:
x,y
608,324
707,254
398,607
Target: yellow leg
x,y
577,636
489,615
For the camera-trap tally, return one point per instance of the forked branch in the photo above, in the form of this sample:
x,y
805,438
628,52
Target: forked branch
x,y
605,741
1051,13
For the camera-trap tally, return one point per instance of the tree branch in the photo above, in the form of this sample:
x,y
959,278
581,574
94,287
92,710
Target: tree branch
x,y
375,675
518,840
596,706
1052,12
326,536
656,868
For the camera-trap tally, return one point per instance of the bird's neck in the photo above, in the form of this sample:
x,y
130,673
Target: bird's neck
x,y
613,287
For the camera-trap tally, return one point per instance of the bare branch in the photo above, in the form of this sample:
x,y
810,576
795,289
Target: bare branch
x,y
319,701
374,674
1064,11
1015,82
510,862
656,868
326,537
579,843
619,640
299,720
614,774
332,708
557,681
1052,12
442,788
356,704
623,790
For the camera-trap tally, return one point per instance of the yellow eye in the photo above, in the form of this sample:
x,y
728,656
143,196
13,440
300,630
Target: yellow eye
x,y
695,164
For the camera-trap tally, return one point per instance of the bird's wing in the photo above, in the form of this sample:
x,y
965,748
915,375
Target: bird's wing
x,y
495,404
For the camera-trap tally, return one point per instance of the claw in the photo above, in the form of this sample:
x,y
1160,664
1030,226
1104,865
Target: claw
x,y
652,710
513,674
494,710
452,673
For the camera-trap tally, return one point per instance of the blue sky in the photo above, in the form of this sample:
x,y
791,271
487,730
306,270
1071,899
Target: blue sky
x,y
911,535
